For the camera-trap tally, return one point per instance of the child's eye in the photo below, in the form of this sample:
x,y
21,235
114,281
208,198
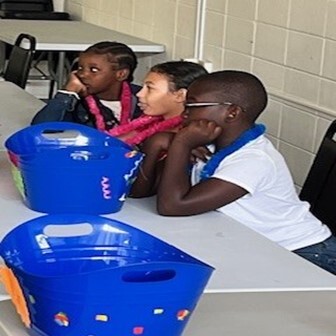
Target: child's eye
x,y
94,69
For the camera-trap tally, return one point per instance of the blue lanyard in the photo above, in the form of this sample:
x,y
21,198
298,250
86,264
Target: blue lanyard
x,y
247,136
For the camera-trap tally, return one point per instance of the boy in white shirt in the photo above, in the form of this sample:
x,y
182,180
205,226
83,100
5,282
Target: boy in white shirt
x,y
244,177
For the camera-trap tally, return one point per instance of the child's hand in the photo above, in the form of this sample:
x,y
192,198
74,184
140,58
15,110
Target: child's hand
x,y
74,84
199,133
200,153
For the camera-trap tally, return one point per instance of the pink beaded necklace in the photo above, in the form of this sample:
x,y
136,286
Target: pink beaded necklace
x,y
126,104
143,127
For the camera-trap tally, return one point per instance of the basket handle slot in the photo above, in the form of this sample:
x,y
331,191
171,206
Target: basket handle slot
x,y
68,230
69,133
63,134
51,129
149,276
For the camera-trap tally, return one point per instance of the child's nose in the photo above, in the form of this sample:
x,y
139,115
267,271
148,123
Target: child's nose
x,y
82,73
140,93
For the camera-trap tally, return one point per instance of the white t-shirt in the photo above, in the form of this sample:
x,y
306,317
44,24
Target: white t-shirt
x,y
272,206
115,106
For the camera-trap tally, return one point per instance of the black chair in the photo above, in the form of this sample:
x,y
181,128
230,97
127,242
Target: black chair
x,y
34,10
30,10
20,60
319,188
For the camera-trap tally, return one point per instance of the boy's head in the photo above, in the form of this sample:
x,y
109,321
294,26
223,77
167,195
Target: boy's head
x,y
237,91
116,53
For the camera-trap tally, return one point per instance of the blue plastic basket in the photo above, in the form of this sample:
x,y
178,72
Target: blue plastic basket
x,y
105,278
84,172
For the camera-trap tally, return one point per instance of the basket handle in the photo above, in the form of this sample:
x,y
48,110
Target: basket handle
x,y
58,226
86,131
58,126
67,230
149,275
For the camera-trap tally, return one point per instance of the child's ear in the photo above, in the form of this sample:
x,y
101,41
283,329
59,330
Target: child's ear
x,y
232,113
122,74
181,95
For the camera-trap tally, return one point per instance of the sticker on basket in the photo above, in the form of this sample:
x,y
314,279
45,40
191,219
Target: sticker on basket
x,y
42,242
138,330
101,318
14,289
128,177
81,155
18,181
122,198
32,299
61,319
106,187
131,154
158,311
182,314
13,158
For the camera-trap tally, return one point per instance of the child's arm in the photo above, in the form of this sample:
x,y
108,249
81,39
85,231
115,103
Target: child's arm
x,y
151,167
176,196
57,109
61,107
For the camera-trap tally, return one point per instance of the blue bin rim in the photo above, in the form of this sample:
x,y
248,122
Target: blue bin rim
x,y
100,221
37,130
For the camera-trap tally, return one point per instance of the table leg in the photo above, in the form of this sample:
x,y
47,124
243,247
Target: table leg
x,y
60,69
2,57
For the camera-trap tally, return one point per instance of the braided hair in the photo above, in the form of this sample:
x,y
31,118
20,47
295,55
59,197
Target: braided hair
x,y
124,55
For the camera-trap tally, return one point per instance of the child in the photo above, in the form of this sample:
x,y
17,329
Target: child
x,y
162,101
99,91
246,177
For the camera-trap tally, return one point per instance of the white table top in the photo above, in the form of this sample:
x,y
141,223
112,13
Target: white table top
x,y
264,314
71,35
17,107
238,314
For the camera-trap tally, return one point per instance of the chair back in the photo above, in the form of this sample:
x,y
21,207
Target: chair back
x,y
30,10
20,60
319,188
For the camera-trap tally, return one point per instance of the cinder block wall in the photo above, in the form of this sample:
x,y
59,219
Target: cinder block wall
x,y
289,44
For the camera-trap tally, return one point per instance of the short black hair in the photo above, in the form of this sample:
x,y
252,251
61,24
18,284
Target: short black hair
x,y
124,55
238,87
180,73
